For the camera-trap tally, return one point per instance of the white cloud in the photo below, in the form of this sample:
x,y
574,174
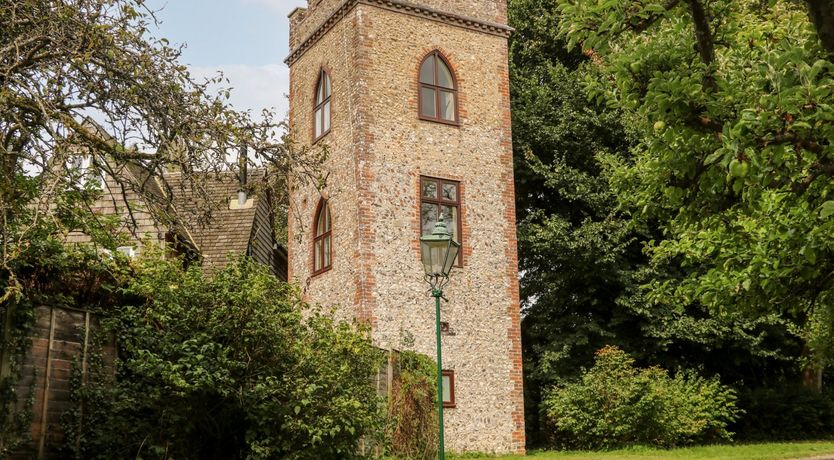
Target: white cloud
x,y
253,87
282,6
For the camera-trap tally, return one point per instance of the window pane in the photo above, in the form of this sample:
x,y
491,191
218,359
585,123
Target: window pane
x,y
429,217
320,91
321,221
427,103
318,123
447,106
450,216
317,256
450,192
326,218
444,76
447,389
429,189
327,89
427,71
326,109
327,251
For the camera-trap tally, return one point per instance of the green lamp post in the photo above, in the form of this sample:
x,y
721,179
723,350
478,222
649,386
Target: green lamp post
x,y
439,252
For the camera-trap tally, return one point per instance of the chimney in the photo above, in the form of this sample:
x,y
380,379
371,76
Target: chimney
x,y
243,201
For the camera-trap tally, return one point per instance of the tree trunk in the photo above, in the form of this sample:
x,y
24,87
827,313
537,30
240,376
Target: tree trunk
x,y
811,374
704,39
703,31
822,16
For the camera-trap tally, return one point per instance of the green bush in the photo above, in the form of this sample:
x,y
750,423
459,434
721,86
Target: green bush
x,y
616,404
785,413
412,409
230,366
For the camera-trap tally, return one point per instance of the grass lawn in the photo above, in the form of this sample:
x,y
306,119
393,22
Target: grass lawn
x,y
773,451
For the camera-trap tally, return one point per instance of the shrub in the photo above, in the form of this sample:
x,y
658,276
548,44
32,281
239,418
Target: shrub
x,y
230,366
412,409
785,413
616,404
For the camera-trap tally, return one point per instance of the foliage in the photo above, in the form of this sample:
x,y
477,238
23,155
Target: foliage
x,y
731,101
229,366
616,404
581,257
787,412
65,64
412,408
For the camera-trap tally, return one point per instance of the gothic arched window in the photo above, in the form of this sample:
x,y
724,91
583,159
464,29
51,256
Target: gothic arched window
x,y
322,239
438,90
321,112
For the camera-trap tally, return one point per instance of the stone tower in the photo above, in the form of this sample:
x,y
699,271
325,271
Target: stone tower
x,y
412,99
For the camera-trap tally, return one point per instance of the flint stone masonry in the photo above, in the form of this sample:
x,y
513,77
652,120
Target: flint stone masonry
x,y
379,149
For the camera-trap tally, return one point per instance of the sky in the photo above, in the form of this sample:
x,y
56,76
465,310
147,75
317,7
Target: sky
x,y
245,39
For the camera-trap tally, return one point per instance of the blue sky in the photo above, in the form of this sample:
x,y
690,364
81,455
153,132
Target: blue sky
x,y
245,39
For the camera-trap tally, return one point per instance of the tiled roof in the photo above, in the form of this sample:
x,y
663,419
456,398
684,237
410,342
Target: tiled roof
x,y
216,230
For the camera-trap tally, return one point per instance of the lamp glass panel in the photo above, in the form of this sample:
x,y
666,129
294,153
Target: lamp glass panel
x,y
451,257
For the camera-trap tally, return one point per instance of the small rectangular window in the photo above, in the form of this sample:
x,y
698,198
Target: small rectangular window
x,y
440,197
448,388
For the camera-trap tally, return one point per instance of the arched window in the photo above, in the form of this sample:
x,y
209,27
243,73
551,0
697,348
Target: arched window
x,y
322,240
438,90
321,112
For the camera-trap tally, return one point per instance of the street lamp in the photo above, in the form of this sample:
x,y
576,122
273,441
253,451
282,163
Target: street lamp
x,y
439,252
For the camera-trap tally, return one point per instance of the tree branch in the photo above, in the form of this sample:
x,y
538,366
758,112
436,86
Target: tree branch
x,y
704,39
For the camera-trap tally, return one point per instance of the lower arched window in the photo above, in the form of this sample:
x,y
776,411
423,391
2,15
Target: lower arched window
x,y
322,240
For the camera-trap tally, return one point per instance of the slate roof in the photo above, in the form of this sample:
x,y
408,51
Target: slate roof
x,y
215,230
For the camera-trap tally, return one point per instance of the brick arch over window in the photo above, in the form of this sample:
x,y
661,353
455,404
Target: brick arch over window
x,y
438,90
323,106
322,239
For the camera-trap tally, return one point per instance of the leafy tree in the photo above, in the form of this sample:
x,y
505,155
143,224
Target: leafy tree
x,y
732,103
575,257
231,366
581,256
63,63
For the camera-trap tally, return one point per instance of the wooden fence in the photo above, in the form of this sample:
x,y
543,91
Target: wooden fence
x,y
61,337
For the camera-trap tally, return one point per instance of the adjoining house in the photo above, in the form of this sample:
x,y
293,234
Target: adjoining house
x,y
230,216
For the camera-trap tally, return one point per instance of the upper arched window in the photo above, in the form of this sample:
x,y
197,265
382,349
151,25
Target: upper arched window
x,y
321,112
322,239
438,90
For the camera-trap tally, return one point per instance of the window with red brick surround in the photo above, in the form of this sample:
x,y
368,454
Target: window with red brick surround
x,y
438,97
448,389
441,196
322,239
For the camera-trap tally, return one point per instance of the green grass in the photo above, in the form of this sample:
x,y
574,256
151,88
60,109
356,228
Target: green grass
x,y
772,451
